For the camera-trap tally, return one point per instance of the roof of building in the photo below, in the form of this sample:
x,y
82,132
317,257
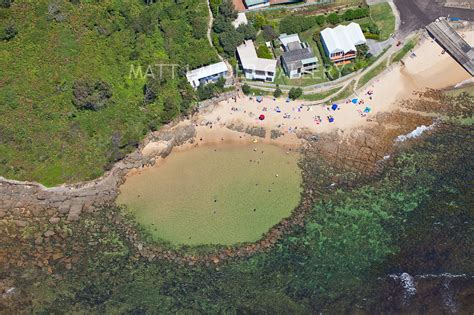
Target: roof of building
x,y
286,39
457,46
241,19
343,38
206,71
249,59
294,59
251,3
274,2
294,46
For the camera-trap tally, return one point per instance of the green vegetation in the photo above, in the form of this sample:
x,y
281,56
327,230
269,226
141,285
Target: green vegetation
x,y
372,73
320,96
296,24
295,93
264,52
232,194
269,33
256,91
246,89
299,23
363,60
405,49
77,92
277,93
382,15
210,90
9,32
227,38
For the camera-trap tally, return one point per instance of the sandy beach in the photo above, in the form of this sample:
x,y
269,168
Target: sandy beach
x,y
427,67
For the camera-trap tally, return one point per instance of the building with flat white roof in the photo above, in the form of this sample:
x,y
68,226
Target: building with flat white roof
x,y
340,43
240,20
255,68
204,75
285,39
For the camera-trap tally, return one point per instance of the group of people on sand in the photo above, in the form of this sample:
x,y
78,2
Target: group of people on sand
x,y
297,111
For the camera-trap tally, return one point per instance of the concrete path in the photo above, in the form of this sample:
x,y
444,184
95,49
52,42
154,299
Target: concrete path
x,y
376,47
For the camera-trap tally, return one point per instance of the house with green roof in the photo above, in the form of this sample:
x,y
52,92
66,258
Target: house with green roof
x,y
255,4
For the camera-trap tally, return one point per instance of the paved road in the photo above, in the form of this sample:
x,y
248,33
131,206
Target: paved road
x,y
417,14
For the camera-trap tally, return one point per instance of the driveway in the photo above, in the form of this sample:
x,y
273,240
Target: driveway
x,y
376,48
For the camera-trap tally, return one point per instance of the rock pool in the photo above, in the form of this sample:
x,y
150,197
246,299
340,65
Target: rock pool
x,y
215,194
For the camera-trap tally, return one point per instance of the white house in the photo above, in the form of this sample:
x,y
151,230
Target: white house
x,y
340,43
204,75
255,68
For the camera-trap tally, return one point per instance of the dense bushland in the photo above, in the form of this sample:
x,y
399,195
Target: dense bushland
x,y
82,83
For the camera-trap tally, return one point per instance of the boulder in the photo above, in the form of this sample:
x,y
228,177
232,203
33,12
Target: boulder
x,y
153,149
74,212
49,233
54,220
21,223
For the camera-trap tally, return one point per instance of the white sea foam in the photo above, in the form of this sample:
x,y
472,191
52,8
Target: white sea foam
x,y
408,284
415,133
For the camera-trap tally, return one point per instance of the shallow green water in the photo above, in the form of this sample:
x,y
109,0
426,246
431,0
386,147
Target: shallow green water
x,y
221,194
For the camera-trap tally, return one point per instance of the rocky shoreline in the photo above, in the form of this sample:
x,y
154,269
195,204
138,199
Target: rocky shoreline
x,y
71,200
361,154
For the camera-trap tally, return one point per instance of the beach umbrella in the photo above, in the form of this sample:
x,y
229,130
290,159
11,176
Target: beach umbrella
x,y
331,119
334,106
287,99
355,100
261,117
259,99
367,110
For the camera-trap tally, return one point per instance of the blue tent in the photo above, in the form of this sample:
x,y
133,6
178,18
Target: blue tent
x,y
355,100
259,99
331,119
288,100
367,110
334,106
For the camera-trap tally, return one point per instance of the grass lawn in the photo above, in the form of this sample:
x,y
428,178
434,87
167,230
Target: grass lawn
x,y
382,15
255,91
319,96
372,73
348,91
405,49
221,194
